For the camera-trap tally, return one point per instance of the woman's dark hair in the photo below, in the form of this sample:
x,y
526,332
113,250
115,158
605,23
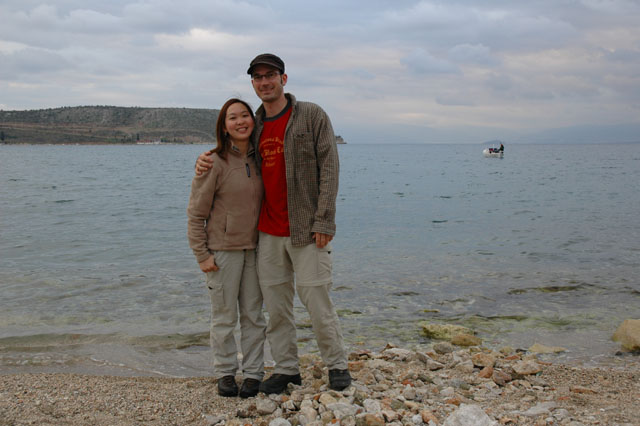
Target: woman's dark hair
x,y
222,137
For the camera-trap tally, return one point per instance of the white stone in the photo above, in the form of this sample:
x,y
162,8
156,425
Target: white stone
x,y
417,419
279,422
371,406
326,399
409,393
212,420
448,392
469,415
309,414
341,410
265,406
540,409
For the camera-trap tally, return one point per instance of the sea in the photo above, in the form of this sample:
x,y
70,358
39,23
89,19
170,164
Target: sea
x,y
541,246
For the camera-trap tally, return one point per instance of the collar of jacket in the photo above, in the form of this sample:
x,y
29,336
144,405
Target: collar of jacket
x,y
236,151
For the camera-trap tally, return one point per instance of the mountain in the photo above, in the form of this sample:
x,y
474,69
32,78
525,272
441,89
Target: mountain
x,y
108,124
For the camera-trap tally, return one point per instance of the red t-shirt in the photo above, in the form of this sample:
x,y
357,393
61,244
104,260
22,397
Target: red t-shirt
x,y
274,215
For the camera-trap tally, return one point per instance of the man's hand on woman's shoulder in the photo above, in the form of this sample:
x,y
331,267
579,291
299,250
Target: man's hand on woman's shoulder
x,y
204,162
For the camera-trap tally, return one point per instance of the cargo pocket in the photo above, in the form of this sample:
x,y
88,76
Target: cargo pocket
x,y
324,263
214,282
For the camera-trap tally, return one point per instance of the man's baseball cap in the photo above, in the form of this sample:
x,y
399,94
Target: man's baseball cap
x,y
267,59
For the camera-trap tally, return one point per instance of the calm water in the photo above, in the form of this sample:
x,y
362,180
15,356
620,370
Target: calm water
x,y
542,246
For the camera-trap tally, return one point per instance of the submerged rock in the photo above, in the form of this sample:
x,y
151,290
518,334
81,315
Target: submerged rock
x,y
443,331
464,339
628,335
537,348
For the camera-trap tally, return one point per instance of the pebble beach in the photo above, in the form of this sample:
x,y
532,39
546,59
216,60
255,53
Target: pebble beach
x,y
446,385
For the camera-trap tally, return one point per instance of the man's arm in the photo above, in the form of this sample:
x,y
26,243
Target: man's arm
x,y
328,175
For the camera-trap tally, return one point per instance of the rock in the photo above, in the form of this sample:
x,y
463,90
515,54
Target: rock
x,y
428,416
369,420
628,335
486,372
501,378
409,392
543,408
443,331
212,420
390,416
448,392
327,417
341,409
443,348
412,406
265,406
525,368
399,354
366,376
371,406
581,389
279,422
464,339
289,405
326,399
483,360
537,348
348,421
382,365
356,365
309,414
469,415
465,367
431,363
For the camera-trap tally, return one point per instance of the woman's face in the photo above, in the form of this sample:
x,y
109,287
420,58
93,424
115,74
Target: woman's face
x,y
238,122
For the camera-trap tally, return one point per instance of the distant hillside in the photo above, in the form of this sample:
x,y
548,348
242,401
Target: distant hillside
x,y
108,124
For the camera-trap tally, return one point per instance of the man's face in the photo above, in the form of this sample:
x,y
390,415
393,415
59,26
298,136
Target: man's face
x,y
268,83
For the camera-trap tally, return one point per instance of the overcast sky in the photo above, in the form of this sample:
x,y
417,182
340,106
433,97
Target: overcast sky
x,y
405,70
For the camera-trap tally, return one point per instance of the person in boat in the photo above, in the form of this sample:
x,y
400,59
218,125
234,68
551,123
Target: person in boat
x,y
222,220
501,149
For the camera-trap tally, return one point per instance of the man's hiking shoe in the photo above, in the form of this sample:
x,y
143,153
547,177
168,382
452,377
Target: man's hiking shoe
x,y
277,383
227,386
339,379
250,387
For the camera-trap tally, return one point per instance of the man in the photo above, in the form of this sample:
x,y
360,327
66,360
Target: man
x,y
298,158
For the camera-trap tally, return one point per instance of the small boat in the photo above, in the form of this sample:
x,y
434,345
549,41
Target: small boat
x,y
493,152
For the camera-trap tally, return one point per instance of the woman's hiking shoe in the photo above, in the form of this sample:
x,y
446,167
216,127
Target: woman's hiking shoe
x,y
227,386
250,387
339,379
277,383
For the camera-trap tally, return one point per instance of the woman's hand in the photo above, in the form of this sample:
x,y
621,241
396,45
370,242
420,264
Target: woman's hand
x,y
208,265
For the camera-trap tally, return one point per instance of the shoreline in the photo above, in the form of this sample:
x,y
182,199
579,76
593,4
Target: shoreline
x,y
392,386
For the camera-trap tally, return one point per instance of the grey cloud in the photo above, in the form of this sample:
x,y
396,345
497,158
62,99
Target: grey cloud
x,y
454,101
422,62
31,61
624,56
499,82
474,54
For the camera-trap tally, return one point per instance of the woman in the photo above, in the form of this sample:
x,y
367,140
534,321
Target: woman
x,y
222,229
